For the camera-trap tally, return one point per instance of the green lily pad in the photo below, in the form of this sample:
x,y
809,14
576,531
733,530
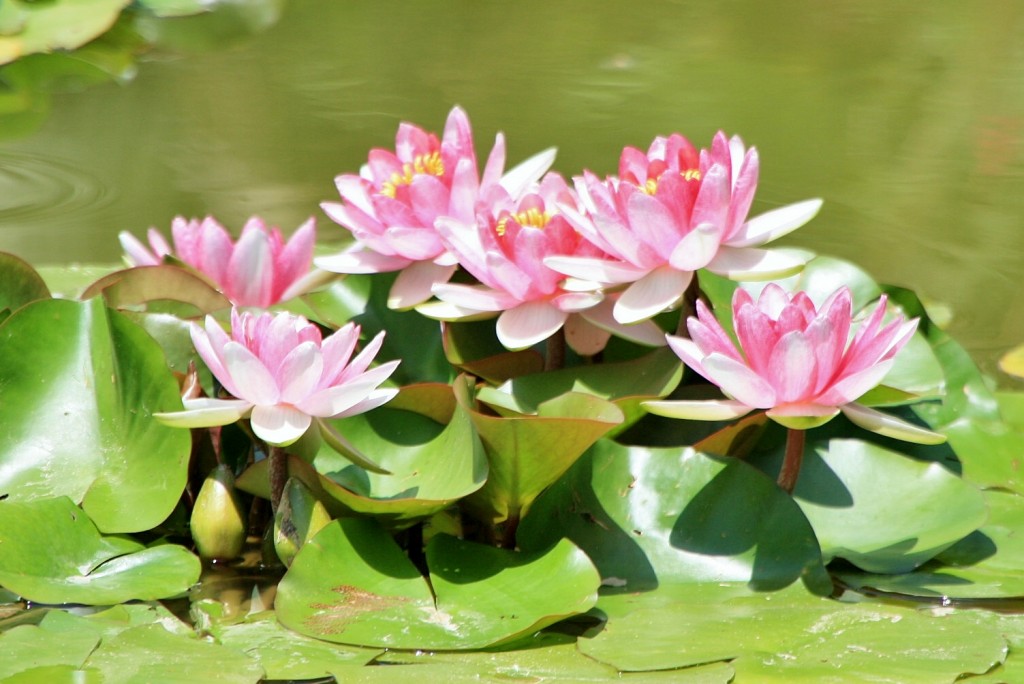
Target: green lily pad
x,y
625,384
988,564
431,465
54,554
654,516
150,653
791,636
29,648
283,654
19,283
58,25
528,453
81,383
921,510
351,584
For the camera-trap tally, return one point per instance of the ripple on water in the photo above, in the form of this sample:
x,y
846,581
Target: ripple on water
x,y
34,186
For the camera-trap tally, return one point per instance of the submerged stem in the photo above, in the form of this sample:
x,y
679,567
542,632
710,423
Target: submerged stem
x,y
790,470
278,475
555,357
688,307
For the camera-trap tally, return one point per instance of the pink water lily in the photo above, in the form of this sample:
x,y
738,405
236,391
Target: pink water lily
x,y
283,375
799,362
392,205
675,210
504,248
260,269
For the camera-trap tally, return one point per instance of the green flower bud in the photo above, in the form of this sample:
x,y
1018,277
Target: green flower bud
x,y
218,522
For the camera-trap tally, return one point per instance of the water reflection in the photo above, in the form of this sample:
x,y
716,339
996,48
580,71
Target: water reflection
x,y
907,120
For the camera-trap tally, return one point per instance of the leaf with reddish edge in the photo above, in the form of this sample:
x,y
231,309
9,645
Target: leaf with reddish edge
x,y
527,453
432,464
352,584
625,384
144,284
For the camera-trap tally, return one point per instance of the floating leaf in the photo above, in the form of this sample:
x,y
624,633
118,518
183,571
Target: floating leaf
x,y
54,554
988,564
143,284
921,510
791,636
625,384
474,348
431,465
352,584
81,383
58,25
19,283
648,517
528,453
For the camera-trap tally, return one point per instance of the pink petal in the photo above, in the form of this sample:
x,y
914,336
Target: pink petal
x,y
360,260
477,297
723,409
583,337
853,386
752,264
300,372
249,280
527,324
697,248
209,344
523,175
655,292
744,183
774,224
377,397
337,350
279,425
646,333
355,191
738,381
688,351
250,377
712,205
595,270
792,368
293,262
652,223
206,412
890,426
414,283
136,252
333,400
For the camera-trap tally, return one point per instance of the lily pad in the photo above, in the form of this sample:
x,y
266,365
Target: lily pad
x,y
791,636
81,383
143,284
654,516
58,25
431,465
528,453
54,554
922,509
351,584
19,283
988,564
625,384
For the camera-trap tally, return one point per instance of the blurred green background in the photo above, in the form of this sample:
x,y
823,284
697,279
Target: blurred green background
x,y
907,118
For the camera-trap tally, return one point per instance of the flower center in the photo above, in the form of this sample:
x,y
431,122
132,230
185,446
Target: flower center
x,y
430,164
531,218
650,186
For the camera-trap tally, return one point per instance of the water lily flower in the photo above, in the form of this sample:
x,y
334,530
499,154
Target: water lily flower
x,y
283,375
391,206
260,269
798,362
675,210
504,248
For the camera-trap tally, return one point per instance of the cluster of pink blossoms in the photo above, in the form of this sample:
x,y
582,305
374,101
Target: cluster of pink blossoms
x,y
598,259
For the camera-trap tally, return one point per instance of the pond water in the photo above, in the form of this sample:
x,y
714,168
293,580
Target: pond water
x,y
907,119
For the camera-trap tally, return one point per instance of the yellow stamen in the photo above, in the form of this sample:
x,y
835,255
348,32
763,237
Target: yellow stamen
x,y
531,218
430,164
650,186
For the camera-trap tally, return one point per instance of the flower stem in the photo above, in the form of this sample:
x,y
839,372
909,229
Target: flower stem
x,y
555,351
688,307
278,475
790,470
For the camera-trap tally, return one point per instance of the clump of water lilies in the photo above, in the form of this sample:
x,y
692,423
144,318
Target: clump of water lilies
x,y
511,410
